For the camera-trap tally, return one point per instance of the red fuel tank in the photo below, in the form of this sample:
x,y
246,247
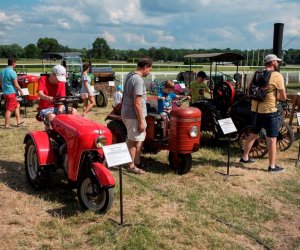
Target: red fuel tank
x,y
185,130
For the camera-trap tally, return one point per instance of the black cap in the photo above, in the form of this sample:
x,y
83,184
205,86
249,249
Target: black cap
x,y
201,74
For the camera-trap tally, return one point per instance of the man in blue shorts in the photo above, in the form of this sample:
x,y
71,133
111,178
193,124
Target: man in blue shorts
x,y
265,115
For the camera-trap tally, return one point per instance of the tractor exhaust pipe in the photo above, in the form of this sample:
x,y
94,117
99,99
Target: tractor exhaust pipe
x,y
277,39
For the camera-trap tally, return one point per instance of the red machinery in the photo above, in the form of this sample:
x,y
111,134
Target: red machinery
x,y
182,140
30,82
74,144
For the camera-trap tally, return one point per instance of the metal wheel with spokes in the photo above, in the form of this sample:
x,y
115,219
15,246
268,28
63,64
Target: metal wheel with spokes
x,y
285,137
259,148
93,197
36,175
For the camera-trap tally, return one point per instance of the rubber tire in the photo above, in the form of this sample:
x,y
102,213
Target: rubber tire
x,y
118,130
259,148
103,201
36,175
285,137
101,99
181,163
209,120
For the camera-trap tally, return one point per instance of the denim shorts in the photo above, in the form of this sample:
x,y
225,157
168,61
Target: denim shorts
x,y
270,122
44,112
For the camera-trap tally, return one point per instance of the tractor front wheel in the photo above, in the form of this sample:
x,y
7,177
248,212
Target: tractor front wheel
x,y
93,197
181,163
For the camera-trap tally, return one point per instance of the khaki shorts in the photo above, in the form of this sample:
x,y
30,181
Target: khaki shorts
x,y
132,130
85,95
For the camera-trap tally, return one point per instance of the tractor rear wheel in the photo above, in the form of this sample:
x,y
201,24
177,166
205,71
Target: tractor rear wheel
x,y
118,130
101,99
259,148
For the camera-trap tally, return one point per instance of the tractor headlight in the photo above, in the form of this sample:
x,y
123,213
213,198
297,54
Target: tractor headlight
x,y
26,80
97,79
100,141
194,131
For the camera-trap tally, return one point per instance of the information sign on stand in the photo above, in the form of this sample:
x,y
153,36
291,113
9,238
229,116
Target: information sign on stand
x,y
25,91
111,84
117,155
21,98
298,119
227,127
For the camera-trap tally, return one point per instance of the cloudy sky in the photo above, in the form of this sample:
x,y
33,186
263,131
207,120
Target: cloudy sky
x,y
134,24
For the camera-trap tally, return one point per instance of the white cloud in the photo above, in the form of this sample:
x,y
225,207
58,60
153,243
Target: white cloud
x,y
159,23
108,37
253,30
9,20
162,37
135,39
63,24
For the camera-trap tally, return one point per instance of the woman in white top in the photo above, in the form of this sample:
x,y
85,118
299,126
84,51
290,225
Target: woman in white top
x,y
86,92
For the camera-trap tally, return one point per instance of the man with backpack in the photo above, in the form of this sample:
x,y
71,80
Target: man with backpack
x,y
264,110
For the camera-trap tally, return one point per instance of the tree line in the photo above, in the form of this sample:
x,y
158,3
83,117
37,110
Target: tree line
x,y
101,51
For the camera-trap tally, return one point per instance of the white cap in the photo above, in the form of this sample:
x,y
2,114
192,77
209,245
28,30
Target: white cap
x,y
60,73
272,57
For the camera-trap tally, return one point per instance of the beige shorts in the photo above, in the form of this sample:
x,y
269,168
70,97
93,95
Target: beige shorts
x,y
133,133
85,95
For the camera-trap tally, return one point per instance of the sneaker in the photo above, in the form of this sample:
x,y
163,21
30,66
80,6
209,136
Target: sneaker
x,y
275,169
246,161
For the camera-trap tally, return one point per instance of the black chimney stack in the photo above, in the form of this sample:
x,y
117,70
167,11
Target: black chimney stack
x,y
277,40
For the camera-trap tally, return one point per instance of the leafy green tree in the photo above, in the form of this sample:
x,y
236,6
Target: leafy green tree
x,y
31,51
46,45
101,49
13,50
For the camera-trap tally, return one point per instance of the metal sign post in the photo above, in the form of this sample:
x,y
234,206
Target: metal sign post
x,y
298,119
116,155
227,127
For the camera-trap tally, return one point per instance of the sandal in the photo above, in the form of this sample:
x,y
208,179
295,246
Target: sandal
x,y
8,127
140,165
136,170
20,124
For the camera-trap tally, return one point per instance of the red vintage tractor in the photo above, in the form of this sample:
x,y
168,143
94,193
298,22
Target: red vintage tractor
x,y
183,137
75,145
30,82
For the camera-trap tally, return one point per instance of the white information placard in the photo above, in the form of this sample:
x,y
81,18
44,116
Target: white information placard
x,y
182,85
117,154
25,91
111,83
227,126
298,117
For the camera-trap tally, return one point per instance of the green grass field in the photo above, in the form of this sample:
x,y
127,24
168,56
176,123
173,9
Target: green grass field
x,y
200,210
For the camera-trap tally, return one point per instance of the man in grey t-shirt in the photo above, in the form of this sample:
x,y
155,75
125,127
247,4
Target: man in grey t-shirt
x,y
134,112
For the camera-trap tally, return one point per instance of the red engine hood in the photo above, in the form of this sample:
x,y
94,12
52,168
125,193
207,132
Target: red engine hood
x,y
67,123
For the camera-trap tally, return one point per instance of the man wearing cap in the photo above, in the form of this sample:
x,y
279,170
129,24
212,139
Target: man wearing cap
x,y
49,88
198,88
266,116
